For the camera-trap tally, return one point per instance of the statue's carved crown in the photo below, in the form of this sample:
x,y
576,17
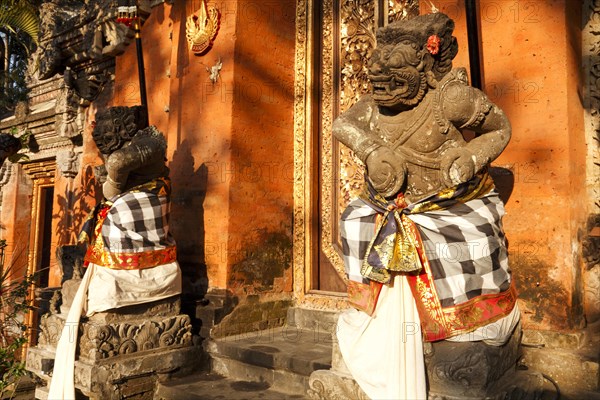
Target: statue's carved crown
x,y
419,30
116,126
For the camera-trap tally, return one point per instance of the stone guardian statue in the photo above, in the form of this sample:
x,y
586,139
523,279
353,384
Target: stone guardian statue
x,y
131,255
423,245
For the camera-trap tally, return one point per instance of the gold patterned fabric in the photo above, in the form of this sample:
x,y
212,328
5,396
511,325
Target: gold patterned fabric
x,y
397,240
461,279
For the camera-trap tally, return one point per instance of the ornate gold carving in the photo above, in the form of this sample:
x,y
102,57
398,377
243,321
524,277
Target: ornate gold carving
x,y
329,214
591,57
201,28
357,42
402,9
304,219
351,177
341,173
302,139
42,174
591,63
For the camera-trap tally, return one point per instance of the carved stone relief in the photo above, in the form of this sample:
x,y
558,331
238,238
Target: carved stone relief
x,y
21,111
67,162
104,341
5,173
100,341
329,385
70,114
79,40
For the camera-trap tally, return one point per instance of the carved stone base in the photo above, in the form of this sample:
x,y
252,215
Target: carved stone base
x,y
123,352
326,384
455,371
125,376
469,370
51,325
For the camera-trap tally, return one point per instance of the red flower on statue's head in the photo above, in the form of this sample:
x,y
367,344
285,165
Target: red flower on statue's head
x,y
433,44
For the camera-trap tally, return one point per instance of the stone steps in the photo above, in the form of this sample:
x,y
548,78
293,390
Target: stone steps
x,y
283,357
210,386
572,360
270,364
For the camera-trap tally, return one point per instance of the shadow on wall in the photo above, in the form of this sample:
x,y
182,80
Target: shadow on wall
x,y
73,208
187,219
504,180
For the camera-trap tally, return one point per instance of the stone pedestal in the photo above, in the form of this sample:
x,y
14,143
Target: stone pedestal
x,y
335,383
455,371
124,352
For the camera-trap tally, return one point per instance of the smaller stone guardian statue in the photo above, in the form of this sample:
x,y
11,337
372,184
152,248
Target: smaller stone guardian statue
x,y
423,246
131,255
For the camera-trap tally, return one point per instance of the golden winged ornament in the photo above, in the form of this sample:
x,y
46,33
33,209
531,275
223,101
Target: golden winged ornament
x,y
201,28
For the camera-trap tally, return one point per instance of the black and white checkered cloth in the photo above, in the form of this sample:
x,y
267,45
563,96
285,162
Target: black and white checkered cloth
x,y
136,222
465,246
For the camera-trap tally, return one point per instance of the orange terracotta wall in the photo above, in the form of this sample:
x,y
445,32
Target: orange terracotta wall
x,y
15,218
531,57
230,142
75,197
261,179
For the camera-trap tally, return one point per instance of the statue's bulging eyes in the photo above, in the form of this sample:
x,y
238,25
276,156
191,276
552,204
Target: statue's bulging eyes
x,y
396,60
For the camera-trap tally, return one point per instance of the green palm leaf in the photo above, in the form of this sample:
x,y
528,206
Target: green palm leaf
x,y
18,15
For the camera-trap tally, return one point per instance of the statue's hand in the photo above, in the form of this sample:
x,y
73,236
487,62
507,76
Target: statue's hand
x,y
110,189
457,166
116,175
386,170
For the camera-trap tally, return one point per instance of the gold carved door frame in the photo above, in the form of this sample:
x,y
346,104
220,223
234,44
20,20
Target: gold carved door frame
x,y
42,174
334,38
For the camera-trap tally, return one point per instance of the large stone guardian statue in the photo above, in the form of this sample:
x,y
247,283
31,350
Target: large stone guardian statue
x,y
423,245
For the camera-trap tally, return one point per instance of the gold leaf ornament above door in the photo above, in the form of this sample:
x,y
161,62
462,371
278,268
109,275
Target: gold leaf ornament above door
x,y
201,28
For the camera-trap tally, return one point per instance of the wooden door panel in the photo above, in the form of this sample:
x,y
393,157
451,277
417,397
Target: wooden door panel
x,y
345,38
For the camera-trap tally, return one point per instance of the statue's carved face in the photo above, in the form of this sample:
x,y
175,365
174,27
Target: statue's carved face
x,y
397,75
116,126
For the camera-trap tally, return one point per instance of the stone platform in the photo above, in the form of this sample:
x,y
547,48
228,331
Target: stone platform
x,y
283,358
302,361
270,364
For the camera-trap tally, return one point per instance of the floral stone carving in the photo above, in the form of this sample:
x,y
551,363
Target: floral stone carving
x,y
105,341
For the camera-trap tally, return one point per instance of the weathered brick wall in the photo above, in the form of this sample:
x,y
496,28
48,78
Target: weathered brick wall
x,y
531,53
230,143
